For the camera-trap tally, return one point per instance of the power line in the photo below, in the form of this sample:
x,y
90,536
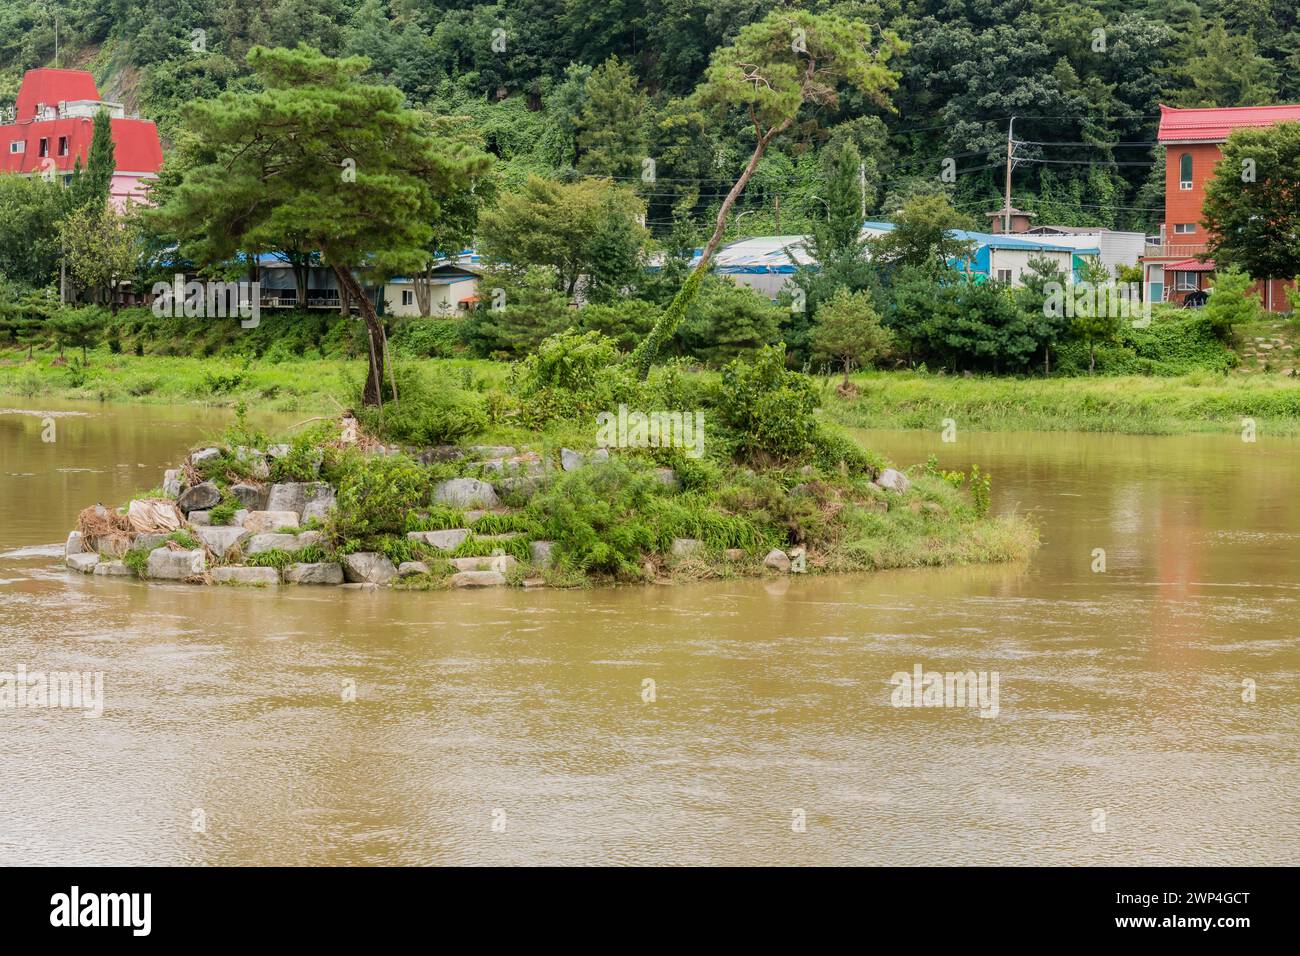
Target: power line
x,y
1083,162
1030,142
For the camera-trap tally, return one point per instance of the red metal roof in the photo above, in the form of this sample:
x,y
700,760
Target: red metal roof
x,y
1191,265
1214,124
137,148
49,87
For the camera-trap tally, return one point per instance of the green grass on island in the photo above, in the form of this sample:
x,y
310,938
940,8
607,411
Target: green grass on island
x,y
771,474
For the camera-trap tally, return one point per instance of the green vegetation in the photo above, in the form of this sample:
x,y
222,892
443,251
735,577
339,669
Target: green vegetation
x,y
770,474
137,562
1197,402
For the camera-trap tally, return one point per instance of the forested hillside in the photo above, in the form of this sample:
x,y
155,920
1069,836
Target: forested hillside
x,y
597,87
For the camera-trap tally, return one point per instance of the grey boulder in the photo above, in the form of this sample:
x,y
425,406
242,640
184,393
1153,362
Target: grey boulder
x,y
201,497
259,543
260,522
777,560
255,577
297,496
252,497
85,563
368,567
448,540
167,565
478,579
219,540
503,563
466,493
891,479
321,573
148,541
172,482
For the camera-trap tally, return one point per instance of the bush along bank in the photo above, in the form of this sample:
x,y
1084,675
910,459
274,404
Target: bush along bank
x,y
779,492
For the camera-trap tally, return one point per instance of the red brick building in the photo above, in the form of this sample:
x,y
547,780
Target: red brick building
x,y
1176,266
52,126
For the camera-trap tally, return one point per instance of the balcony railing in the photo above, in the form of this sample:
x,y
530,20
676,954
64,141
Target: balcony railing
x,y
325,301
1181,250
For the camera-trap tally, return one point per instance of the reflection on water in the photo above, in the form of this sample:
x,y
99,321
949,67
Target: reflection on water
x,y
1119,691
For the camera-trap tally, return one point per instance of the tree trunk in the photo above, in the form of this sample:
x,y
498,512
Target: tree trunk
x,y
350,289
1092,357
424,291
300,280
664,329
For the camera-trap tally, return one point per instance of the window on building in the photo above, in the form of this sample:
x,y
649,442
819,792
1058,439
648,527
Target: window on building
x,y
63,146
45,147
1183,228
1185,281
1185,171
408,297
1004,275
17,146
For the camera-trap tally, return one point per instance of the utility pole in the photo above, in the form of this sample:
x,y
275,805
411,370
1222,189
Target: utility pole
x,y
1006,203
862,193
778,214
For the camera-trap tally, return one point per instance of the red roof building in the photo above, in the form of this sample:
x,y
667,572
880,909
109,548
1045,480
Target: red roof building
x,y
52,126
1176,265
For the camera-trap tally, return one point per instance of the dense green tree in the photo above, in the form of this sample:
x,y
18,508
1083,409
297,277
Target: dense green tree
x,y
319,154
1231,302
91,183
24,313
726,321
584,231
610,127
1252,204
1094,321
776,67
517,310
1226,71
76,328
1047,325
30,210
923,237
102,249
848,331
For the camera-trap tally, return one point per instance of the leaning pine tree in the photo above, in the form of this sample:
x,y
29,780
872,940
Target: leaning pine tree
x,y
321,161
788,60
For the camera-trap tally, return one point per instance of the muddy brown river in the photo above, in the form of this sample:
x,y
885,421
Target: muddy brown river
x,y
1145,714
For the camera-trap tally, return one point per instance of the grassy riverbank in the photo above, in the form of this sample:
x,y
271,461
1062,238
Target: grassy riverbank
x,y
1199,402
306,385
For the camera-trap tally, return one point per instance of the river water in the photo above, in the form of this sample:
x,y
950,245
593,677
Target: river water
x,y
514,727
